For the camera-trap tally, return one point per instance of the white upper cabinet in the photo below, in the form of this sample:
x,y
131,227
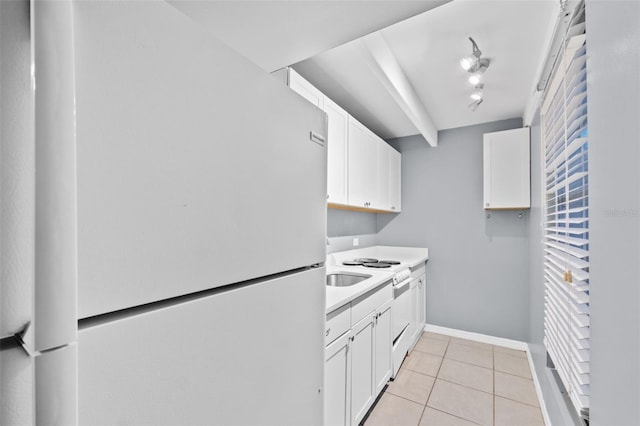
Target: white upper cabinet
x,y
389,169
395,179
383,182
337,152
363,171
362,166
506,170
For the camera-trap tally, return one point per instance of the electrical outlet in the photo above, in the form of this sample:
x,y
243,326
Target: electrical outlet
x,y
356,242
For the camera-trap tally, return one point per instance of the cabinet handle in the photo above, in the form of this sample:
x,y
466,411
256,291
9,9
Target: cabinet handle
x,y
328,331
327,196
352,338
393,207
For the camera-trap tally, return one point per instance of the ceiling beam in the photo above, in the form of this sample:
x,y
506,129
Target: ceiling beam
x,y
387,70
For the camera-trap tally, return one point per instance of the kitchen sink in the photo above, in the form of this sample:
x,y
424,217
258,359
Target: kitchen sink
x,y
344,279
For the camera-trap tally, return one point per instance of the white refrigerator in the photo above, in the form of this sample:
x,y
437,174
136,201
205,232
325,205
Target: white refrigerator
x,y
180,226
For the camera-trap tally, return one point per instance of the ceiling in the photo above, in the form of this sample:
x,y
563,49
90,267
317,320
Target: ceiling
x,y
330,43
277,33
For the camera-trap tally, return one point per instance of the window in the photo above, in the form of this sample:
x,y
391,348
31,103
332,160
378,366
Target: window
x,y
566,220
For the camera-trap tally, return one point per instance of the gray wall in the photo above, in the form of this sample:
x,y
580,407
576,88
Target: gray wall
x,y
613,87
344,225
478,267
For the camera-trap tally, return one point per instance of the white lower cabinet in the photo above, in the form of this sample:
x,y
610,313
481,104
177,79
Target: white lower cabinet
x,y
362,368
421,314
419,301
383,346
337,382
358,363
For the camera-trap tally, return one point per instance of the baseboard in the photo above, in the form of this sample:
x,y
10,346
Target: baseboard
x,y
484,338
498,341
536,383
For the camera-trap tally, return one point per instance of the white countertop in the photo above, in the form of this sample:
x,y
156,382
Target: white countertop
x,y
409,257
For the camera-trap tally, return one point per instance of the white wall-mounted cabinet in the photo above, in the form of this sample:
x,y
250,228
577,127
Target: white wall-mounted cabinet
x,y
362,166
383,183
395,180
389,178
363,171
338,131
374,167
507,170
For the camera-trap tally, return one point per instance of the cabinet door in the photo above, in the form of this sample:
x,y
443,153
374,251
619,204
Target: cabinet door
x,y
336,152
421,318
395,181
305,89
337,382
370,160
414,329
381,200
358,164
383,345
362,380
506,169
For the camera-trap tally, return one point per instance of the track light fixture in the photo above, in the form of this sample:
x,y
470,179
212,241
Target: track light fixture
x,y
475,65
476,95
473,105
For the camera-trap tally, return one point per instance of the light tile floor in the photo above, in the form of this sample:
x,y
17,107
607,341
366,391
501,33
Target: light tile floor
x,y
447,381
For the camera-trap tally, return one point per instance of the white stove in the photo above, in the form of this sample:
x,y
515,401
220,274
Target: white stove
x,y
401,317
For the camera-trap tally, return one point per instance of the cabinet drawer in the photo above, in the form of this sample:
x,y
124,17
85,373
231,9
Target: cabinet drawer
x,y
338,322
367,303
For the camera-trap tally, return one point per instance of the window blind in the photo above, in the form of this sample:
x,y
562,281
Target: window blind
x,y
566,219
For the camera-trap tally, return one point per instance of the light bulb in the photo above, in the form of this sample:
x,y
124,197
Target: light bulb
x,y
474,105
476,95
474,79
468,62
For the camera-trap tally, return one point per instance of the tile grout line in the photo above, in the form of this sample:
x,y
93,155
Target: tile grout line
x,y
464,386
473,365
434,379
515,400
457,417
494,385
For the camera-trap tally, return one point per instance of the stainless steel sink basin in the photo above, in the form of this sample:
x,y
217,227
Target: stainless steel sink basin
x,y
344,279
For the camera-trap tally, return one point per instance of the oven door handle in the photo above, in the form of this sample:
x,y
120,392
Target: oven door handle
x,y
401,285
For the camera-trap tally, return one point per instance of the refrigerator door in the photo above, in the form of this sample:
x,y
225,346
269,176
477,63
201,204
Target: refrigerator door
x,y
249,355
196,168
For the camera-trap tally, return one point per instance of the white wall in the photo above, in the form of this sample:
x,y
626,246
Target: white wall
x,y
17,231
613,88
